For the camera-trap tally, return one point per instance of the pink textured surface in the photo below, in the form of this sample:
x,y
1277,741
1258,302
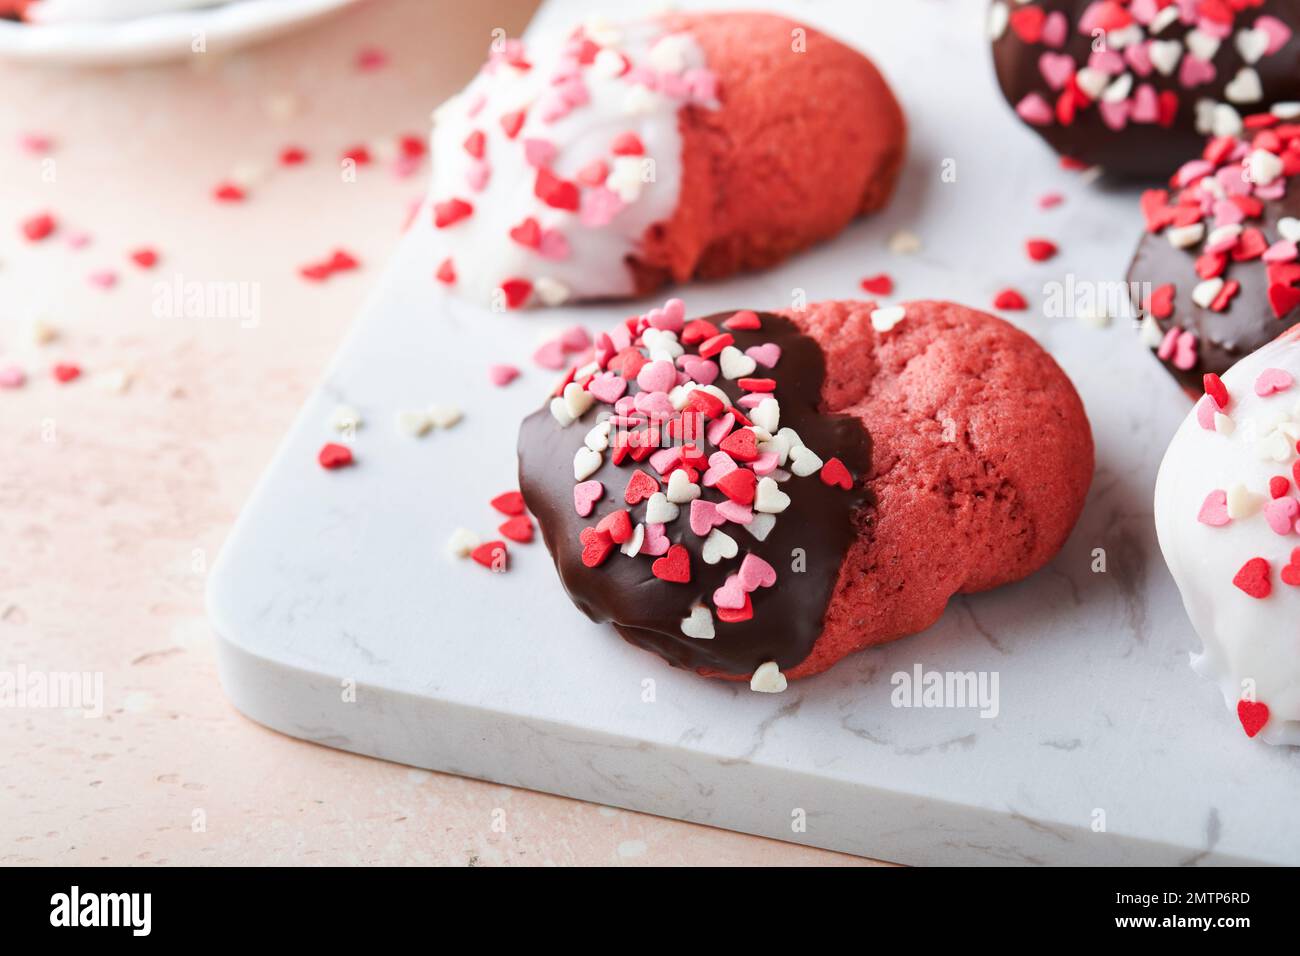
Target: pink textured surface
x,y
982,456
112,506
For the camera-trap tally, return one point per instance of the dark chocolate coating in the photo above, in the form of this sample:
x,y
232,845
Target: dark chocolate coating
x,y
1145,150
1247,323
648,612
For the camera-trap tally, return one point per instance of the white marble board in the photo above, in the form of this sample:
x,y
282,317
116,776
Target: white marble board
x,y
334,577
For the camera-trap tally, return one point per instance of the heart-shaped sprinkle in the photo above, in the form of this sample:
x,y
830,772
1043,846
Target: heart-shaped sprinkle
x,y
1253,578
1272,380
640,487
804,461
585,496
834,473
550,355
674,567
700,624
704,516
1291,571
741,445
738,485
768,679
586,463
658,376
11,376
756,573
735,363
492,555
334,456
608,387
761,526
596,546
1280,513
766,355
681,489
731,595
1214,510
509,503
769,498
767,415
632,546
518,528
718,546
1253,715
746,320
720,428
656,541
501,375
735,512
720,464
659,510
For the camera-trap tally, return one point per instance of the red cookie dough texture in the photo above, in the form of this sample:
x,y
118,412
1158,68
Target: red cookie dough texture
x,y
982,458
802,144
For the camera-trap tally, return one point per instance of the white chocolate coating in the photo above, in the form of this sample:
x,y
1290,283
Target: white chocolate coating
x,y
86,11
480,247
1251,646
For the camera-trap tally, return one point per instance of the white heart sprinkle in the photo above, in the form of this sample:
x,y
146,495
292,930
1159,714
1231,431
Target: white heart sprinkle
x,y
904,243
414,422
560,412
718,546
1264,167
735,363
461,543
1204,293
1289,228
659,510
347,419
768,679
1286,111
1242,502
1245,87
1150,334
1202,44
1251,44
999,17
444,416
1184,237
1223,424
1162,19
700,624
882,320
1092,81
577,399
586,463
1226,121
767,415
1165,55
632,546
681,489
1119,90
598,438
761,526
804,461
551,291
770,499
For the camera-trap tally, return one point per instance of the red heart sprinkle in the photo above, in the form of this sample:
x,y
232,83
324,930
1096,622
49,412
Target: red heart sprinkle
x,y
1009,300
334,456
698,330
738,485
65,372
518,528
1028,22
451,212
492,555
228,192
1214,387
639,487
734,615
746,320
757,384
1253,715
509,503
292,156
512,122
38,227
741,445
145,258
674,567
880,284
1211,264
527,233
1161,304
834,472
713,346
1283,299
1167,105
474,143
555,192
517,292
594,173
446,272
596,546
1278,486
358,154
1040,250
706,403
627,144
617,524
1291,572
1253,578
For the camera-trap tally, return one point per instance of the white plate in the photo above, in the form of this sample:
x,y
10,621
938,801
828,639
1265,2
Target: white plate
x,y
165,36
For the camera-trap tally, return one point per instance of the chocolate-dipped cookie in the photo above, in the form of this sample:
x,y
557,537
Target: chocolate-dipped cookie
x,y
1135,87
756,495
1216,272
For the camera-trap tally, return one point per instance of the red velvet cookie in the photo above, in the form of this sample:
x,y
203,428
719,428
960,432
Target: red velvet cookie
x,y
757,495
617,158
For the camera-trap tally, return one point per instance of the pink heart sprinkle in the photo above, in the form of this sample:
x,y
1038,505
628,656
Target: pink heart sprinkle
x,y
765,464
731,595
735,512
575,338
608,387
719,428
1106,61
1280,514
702,371
1214,511
766,355
11,376
655,542
1033,109
1057,68
1055,29
1138,56
554,245
478,174
502,374
1284,250
1186,353
1205,412
1146,105
77,240
665,459
750,400
1114,115
585,496
104,280
654,404
1278,33
1194,72
704,516
550,355
756,573
675,313
1272,380
657,376
720,464
539,152
598,206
